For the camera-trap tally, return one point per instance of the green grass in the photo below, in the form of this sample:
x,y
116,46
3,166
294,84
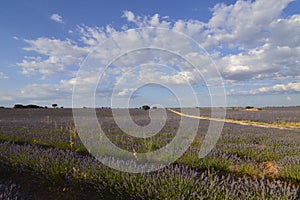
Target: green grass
x,y
291,172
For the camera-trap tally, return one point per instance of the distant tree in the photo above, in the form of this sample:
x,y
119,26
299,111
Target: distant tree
x,y
54,105
32,106
27,106
145,107
154,107
249,107
18,106
61,107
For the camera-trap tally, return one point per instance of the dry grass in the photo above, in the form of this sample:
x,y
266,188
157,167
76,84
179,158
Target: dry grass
x,y
280,125
72,134
269,168
251,109
294,125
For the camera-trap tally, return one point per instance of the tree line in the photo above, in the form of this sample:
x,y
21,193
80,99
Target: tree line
x,y
20,106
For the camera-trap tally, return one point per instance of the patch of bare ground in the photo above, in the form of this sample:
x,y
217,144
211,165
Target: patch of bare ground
x,y
251,109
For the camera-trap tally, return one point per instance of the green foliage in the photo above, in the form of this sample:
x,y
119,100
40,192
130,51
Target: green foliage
x,y
20,106
249,107
145,107
247,168
291,172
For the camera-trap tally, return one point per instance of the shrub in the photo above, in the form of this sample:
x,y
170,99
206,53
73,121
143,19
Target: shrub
x,y
146,107
249,107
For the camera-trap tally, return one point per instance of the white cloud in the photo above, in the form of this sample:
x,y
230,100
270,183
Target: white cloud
x,y
59,55
293,87
57,18
270,44
2,75
15,38
44,92
244,24
92,36
154,20
285,32
47,46
147,21
129,16
262,62
125,92
6,98
248,40
252,26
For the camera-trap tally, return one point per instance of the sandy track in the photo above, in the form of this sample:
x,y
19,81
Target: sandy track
x,y
246,123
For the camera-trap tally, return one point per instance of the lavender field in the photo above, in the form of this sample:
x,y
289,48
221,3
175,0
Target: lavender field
x,y
42,157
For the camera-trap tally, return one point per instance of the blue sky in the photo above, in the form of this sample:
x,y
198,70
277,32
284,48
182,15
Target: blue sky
x,y
253,45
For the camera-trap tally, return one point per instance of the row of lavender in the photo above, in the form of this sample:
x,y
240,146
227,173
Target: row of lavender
x,y
258,152
268,114
245,145
55,128
9,190
174,182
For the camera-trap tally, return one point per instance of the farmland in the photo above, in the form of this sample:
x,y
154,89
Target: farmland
x,y
42,156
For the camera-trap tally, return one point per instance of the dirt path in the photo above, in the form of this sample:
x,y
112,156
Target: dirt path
x,y
241,122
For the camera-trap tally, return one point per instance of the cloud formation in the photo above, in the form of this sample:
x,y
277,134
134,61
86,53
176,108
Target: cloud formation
x,y
57,18
2,75
276,89
248,41
54,56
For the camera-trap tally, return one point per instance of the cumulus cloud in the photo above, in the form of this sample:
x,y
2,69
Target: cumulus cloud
x,y
92,36
129,16
244,24
261,62
285,32
44,92
57,18
59,55
125,92
254,27
276,89
248,40
268,43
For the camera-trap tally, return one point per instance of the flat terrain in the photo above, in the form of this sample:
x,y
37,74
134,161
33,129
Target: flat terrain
x,y
270,124
256,157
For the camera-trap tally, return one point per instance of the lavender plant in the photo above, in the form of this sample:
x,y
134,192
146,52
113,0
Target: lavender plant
x,y
247,163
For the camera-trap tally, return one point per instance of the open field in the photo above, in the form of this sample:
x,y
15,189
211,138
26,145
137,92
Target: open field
x,y
41,148
264,124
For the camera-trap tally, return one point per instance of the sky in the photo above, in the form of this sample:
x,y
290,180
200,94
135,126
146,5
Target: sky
x,y
164,53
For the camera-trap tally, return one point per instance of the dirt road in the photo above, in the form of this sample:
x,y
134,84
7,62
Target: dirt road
x,y
285,126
